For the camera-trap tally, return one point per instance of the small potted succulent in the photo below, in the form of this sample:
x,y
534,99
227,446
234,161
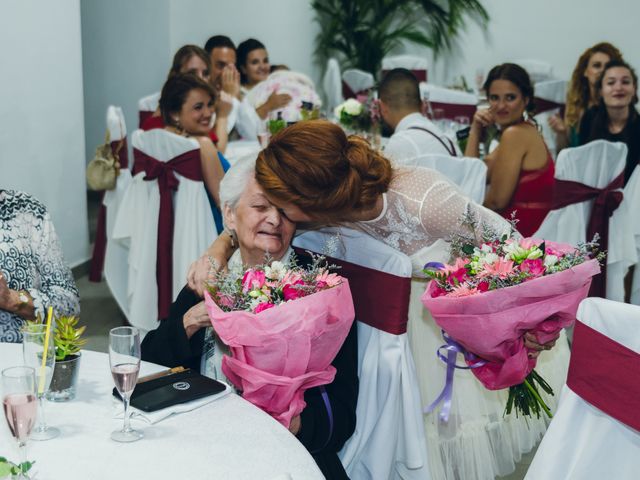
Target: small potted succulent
x,y
68,341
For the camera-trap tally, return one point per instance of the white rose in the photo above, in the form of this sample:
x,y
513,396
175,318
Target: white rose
x,y
352,107
550,260
338,110
275,271
490,258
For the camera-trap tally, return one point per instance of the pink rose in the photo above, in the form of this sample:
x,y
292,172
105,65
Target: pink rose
x,y
438,292
533,267
292,292
225,300
263,306
253,280
483,286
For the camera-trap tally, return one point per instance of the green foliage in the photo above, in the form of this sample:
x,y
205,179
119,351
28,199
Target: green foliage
x,y
68,339
360,33
9,468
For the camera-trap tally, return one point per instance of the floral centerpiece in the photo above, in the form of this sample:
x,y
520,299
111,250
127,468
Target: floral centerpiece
x,y
492,294
360,114
284,325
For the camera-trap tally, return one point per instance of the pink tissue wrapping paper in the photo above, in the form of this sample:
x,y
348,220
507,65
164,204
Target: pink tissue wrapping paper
x,y
492,324
280,352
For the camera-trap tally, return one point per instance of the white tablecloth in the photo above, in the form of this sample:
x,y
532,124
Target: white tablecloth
x,y
226,439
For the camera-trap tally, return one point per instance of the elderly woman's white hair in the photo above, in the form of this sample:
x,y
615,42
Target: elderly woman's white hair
x,y
235,180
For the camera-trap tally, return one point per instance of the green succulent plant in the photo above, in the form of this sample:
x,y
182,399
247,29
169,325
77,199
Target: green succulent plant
x,y
67,337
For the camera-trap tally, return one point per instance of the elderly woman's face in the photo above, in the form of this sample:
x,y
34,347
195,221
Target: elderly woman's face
x,y
259,225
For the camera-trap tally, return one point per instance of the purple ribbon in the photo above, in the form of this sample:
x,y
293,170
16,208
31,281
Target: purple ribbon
x,y
453,348
327,405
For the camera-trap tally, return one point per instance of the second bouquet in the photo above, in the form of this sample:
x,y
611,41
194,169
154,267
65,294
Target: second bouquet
x,y
284,325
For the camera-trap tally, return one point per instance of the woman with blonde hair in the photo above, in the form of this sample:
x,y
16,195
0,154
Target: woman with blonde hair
x,y
582,93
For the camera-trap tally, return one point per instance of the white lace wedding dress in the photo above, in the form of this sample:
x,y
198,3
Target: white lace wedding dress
x,y
422,210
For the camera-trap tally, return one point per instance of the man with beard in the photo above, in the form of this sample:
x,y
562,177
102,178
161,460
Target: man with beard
x,y
414,135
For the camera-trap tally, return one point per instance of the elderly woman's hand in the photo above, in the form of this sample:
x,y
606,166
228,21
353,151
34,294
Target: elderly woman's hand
x,y
195,319
199,274
531,342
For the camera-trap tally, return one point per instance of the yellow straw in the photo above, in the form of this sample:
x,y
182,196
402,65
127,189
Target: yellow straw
x,y
45,351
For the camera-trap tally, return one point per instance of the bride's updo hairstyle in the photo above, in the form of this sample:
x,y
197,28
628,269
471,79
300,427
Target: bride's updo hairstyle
x,y
327,175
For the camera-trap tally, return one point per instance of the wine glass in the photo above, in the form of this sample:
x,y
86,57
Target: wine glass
x,y
19,404
124,357
42,359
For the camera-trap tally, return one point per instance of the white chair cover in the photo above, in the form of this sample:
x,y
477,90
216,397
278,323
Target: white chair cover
x,y
446,95
389,440
582,442
358,80
115,263
137,224
596,164
632,201
551,91
410,62
332,85
470,174
299,86
538,70
149,103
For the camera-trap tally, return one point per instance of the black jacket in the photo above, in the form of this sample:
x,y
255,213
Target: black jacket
x,y
168,345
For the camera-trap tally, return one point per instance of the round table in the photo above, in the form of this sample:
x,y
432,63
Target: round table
x,y
228,438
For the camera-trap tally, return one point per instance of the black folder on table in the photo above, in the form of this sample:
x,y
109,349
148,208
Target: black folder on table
x,y
171,390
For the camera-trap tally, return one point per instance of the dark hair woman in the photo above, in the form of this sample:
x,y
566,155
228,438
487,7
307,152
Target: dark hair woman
x,y
521,171
186,106
615,118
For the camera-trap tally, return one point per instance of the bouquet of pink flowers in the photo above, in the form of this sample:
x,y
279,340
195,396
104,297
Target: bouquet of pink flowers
x,y
284,325
494,293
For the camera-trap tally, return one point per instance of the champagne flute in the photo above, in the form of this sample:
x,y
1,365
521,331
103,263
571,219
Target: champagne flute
x,y
124,357
33,350
19,404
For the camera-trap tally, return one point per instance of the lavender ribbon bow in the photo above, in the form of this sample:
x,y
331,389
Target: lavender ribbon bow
x,y
453,348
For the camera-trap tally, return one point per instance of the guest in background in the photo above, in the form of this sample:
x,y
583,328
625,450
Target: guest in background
x,y
192,59
520,170
186,105
582,93
186,337
400,108
254,67
615,117
33,275
225,77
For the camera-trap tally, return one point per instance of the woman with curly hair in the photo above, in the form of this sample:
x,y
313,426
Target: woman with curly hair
x,y
582,93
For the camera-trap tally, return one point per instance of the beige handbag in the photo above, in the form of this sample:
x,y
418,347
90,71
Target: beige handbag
x,y
104,168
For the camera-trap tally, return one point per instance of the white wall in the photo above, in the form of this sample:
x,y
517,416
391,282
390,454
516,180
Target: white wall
x,y
550,30
41,116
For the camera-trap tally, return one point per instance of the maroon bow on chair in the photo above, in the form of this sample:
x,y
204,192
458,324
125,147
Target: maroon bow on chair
x,y
119,149
453,110
380,299
607,200
187,165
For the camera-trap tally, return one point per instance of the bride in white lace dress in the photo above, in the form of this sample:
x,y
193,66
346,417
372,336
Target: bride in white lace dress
x,y
314,173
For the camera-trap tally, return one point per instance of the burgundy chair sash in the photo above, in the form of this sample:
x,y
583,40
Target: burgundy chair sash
x,y
380,299
453,110
187,165
420,74
543,105
347,92
606,201
605,373
142,116
100,245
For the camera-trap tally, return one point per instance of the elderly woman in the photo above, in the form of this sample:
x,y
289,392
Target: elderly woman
x,y
33,275
186,337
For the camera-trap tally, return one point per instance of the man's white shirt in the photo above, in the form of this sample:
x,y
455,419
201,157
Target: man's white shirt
x,y
407,143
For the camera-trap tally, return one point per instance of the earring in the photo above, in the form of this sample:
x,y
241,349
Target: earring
x,y
178,126
233,236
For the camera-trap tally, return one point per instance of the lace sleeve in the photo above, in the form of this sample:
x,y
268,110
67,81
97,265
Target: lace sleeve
x,y
56,285
443,208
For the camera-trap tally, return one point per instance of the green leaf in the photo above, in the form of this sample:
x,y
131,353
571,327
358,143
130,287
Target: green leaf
x,y
468,249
